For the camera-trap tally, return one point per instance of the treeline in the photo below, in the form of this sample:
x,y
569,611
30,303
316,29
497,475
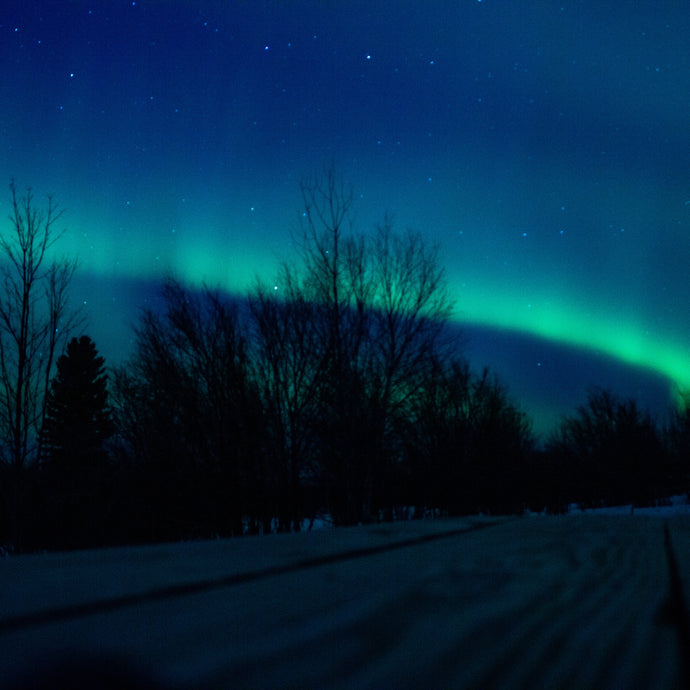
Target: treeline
x,y
336,391
613,452
339,391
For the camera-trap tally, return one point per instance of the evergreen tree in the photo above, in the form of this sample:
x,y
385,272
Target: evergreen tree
x,y
78,420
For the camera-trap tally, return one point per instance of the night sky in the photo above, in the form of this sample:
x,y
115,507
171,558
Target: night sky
x,y
545,146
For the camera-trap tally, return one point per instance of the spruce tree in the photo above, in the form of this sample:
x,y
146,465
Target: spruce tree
x,y
78,420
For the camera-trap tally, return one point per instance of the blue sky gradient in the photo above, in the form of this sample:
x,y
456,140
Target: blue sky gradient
x,y
543,146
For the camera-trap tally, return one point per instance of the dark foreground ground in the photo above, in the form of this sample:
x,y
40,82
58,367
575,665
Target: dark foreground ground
x,y
577,601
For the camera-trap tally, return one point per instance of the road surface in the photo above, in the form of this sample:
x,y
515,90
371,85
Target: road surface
x,y
550,602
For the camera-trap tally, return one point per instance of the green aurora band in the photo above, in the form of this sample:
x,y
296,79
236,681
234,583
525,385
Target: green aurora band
x,y
574,323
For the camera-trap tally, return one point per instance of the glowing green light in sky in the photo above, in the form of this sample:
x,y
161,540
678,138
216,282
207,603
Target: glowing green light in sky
x,y
608,334
536,305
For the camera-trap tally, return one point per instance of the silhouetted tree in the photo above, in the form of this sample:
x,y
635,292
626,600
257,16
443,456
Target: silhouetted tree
x,y
677,443
436,435
468,444
502,444
189,415
613,451
409,308
373,309
289,365
34,323
74,478
77,420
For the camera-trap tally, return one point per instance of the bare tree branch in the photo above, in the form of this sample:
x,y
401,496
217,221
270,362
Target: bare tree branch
x,y
34,322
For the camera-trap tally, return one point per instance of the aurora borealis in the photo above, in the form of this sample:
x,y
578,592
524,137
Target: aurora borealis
x,y
544,146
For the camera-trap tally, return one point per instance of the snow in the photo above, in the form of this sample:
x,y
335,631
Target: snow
x,y
675,505
481,601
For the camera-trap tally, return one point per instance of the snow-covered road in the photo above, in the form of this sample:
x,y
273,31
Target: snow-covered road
x,y
570,601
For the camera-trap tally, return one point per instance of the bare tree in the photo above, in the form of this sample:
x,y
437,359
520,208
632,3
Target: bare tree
x,y
377,307
467,443
188,413
324,244
34,326
34,322
411,306
614,450
289,364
